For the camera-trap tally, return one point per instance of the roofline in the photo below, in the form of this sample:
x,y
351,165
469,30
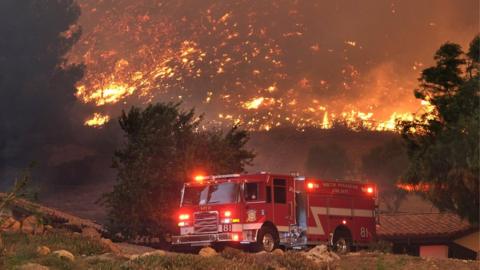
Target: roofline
x,y
427,236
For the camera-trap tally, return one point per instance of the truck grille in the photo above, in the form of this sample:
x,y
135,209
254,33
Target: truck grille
x,y
205,222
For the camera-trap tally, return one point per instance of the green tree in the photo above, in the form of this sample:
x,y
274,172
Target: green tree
x,y
329,161
164,147
443,144
385,165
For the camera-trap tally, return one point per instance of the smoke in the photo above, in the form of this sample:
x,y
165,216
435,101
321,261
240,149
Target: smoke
x,y
40,117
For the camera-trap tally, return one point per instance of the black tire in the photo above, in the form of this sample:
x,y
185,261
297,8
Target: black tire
x,y
267,240
342,242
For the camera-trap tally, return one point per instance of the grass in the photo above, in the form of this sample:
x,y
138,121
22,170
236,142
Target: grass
x,y
90,254
228,259
21,248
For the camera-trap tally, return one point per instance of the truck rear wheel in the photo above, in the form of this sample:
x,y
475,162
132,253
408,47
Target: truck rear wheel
x,y
267,239
342,241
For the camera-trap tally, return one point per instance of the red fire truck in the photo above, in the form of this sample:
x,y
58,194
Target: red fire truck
x,y
266,210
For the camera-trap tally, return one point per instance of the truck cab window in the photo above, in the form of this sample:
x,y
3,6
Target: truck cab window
x,y
279,191
251,192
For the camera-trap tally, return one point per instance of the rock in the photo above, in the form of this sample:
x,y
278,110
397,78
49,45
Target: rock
x,y
33,266
110,245
147,254
15,227
64,254
153,253
261,252
320,254
31,225
207,252
7,222
10,225
131,257
90,232
43,250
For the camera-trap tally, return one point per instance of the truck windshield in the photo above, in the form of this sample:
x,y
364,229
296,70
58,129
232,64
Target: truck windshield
x,y
212,194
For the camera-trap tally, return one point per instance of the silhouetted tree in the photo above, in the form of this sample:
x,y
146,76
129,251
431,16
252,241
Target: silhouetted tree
x,y
443,146
328,162
164,148
385,165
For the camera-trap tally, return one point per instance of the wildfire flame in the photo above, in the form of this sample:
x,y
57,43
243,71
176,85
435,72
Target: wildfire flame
x,y
97,120
224,58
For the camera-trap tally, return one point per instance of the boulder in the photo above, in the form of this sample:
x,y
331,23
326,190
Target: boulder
x,y
7,222
64,254
278,252
321,254
207,252
48,228
43,250
10,225
14,228
110,245
32,266
153,253
146,254
31,225
90,232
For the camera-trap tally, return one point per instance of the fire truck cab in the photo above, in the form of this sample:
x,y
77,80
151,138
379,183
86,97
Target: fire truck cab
x,y
266,210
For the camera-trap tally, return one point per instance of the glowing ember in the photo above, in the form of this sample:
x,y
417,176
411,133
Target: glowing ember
x,y
238,62
253,104
97,120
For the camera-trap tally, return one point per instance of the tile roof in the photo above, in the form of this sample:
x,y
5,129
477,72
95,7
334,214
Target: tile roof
x,y
421,225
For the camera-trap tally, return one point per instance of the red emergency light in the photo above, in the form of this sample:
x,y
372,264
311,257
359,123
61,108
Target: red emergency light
x,y
199,178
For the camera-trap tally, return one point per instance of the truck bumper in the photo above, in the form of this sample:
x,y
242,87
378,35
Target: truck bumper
x,y
205,239
201,239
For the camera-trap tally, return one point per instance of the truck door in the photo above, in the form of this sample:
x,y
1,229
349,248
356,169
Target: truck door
x,y
283,203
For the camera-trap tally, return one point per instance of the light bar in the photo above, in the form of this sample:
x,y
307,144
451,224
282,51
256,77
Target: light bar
x,y
213,177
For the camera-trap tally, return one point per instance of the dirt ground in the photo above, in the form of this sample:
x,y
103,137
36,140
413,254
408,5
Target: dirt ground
x,y
380,261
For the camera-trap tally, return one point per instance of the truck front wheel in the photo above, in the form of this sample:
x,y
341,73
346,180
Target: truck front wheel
x,y
267,239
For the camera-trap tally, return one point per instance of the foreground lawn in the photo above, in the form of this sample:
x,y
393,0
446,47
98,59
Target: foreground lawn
x,y
20,249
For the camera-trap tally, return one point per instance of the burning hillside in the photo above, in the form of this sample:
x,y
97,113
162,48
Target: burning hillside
x,y
260,64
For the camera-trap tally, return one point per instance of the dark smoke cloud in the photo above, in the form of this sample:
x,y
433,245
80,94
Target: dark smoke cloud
x,y
40,118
